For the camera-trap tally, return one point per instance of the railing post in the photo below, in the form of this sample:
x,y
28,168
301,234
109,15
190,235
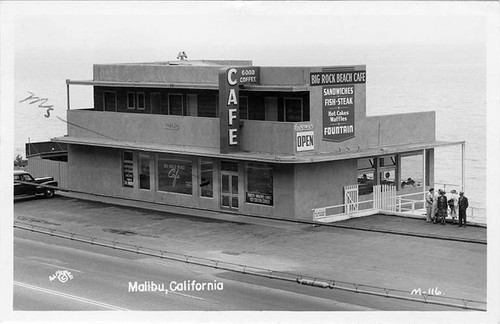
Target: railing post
x,y
463,167
67,93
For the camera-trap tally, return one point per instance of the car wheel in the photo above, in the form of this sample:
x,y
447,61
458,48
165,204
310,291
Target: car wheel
x,y
48,193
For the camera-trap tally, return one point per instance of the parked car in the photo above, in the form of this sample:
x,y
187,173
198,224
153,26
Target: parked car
x,y
25,185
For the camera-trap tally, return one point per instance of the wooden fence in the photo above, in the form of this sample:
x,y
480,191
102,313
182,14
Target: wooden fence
x,y
48,168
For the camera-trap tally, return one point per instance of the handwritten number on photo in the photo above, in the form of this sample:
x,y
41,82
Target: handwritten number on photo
x,y
42,101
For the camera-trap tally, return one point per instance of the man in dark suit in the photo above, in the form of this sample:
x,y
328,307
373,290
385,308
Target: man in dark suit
x,y
463,203
442,207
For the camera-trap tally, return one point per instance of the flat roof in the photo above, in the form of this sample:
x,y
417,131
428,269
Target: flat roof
x,y
178,85
186,62
256,156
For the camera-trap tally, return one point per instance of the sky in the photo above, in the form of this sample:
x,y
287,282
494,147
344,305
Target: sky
x,y
231,28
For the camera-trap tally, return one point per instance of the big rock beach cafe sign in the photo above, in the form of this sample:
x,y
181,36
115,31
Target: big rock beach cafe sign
x,y
338,102
229,82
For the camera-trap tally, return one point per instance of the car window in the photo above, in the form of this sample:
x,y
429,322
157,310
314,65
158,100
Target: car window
x,y
16,177
26,177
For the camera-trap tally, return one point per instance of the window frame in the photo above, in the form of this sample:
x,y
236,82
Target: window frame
x,y
137,94
131,95
200,160
182,103
371,170
241,98
104,92
123,169
150,159
247,178
400,158
301,109
172,158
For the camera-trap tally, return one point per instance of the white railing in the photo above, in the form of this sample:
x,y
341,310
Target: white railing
x,y
342,211
473,212
404,204
447,186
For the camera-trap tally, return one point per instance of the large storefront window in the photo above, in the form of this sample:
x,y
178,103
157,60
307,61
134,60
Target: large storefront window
x,y
206,178
259,183
366,175
144,171
128,169
387,177
175,175
387,170
412,171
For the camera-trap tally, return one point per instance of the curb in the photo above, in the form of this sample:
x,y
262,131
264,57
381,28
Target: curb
x,y
261,272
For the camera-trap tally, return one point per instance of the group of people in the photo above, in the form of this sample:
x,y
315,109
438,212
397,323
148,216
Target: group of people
x,y
439,207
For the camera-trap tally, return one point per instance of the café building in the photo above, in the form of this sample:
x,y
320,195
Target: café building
x,y
232,137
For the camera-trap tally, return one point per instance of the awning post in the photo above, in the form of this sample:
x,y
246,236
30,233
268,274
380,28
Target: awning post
x,y
423,169
67,93
463,166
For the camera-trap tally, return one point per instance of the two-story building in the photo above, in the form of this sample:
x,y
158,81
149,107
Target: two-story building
x,y
230,136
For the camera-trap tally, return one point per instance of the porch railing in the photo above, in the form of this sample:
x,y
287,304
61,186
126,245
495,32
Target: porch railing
x,y
411,204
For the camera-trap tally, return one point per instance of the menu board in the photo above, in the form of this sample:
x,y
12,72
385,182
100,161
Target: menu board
x,y
338,112
258,198
128,173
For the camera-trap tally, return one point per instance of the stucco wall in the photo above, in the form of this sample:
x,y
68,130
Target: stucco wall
x,y
157,73
321,184
270,137
283,195
160,129
95,170
99,171
373,131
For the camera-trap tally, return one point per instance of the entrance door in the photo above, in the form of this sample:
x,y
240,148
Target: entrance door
x,y
229,190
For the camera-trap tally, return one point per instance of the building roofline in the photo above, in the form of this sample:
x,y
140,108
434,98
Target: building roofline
x,y
257,156
177,85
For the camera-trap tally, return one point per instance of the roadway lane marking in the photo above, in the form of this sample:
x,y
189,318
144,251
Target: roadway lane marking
x,y
73,297
61,267
185,295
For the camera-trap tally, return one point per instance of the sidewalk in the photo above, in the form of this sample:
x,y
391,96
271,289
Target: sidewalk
x,y
359,256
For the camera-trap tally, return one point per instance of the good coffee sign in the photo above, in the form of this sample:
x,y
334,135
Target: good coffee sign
x,y
229,82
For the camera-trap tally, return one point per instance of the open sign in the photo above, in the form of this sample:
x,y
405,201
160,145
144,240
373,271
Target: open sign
x,y
304,141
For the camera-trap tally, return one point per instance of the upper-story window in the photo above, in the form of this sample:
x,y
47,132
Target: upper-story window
x,y
207,105
294,110
136,100
109,101
243,106
130,100
175,105
141,102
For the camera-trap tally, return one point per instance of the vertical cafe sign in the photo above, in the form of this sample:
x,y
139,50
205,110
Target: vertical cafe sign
x,y
338,102
229,82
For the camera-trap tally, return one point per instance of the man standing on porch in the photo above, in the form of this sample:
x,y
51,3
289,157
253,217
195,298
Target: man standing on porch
x,y
429,200
463,203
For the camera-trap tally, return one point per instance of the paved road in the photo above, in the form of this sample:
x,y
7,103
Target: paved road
x,y
362,257
101,278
